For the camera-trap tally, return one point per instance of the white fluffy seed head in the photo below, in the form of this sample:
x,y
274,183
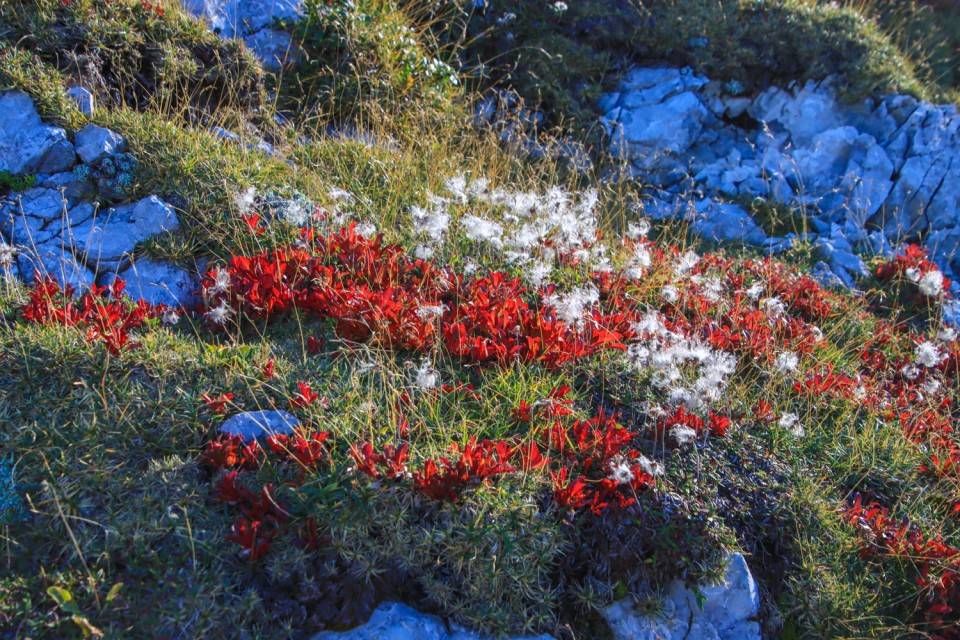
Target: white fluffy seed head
x,y
773,307
572,306
928,354
786,362
670,294
427,377
481,230
791,422
931,284
947,334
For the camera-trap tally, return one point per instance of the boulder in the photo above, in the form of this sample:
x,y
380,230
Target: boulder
x,y
724,222
24,229
802,114
27,145
69,185
157,282
238,18
52,259
273,47
647,134
722,612
83,99
395,621
95,143
112,234
251,425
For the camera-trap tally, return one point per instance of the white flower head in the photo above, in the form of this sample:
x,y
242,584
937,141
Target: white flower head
x,y
538,273
367,229
620,471
711,288
7,254
947,334
170,317
221,282
910,371
786,362
650,466
791,422
457,186
773,307
423,252
641,257
931,386
219,314
430,312
670,294
931,284
427,377
913,274
927,354
337,193
246,200
686,263
432,222
683,435
755,291
638,230
570,307
481,230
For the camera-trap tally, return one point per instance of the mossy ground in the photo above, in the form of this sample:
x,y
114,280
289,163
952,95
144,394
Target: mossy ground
x,y
117,530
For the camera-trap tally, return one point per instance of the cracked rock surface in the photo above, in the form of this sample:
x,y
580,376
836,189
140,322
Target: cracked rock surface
x,y
55,229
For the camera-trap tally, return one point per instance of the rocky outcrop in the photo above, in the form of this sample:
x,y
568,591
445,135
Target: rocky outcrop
x,y
869,175
253,21
27,145
53,228
723,611
399,622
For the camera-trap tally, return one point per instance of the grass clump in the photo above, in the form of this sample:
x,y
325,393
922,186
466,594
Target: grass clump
x,y
560,56
366,61
131,53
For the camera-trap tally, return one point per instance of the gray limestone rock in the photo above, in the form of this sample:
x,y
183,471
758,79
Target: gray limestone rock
x,y
112,234
157,282
83,99
803,115
95,143
883,170
255,424
238,18
275,48
52,259
722,222
395,621
724,611
649,133
27,145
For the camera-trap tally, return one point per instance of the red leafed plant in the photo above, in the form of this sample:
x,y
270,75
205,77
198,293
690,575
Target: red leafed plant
x,y
391,464
305,396
937,564
307,451
599,470
228,452
477,463
102,314
217,404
